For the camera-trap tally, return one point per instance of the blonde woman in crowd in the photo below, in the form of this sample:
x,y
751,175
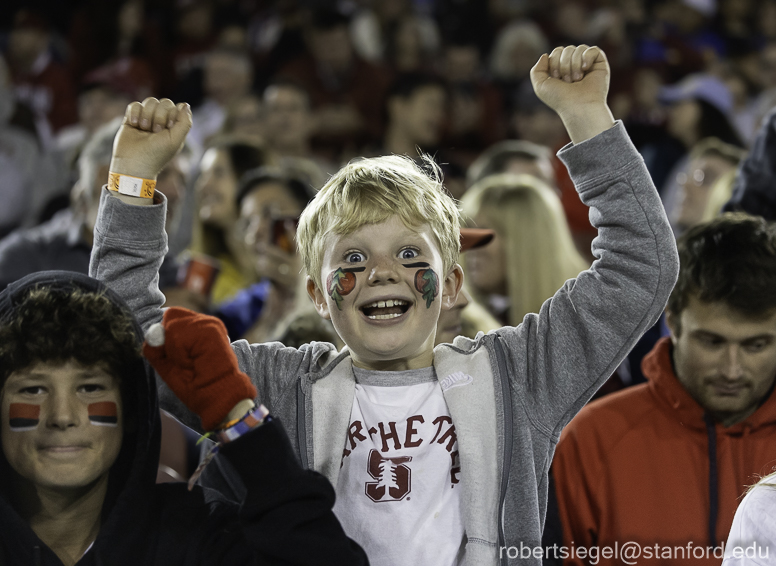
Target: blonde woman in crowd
x,y
532,253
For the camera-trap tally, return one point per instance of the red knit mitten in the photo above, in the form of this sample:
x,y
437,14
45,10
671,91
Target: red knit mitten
x,y
191,352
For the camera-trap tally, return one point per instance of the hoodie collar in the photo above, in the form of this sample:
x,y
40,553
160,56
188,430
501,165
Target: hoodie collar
x,y
663,383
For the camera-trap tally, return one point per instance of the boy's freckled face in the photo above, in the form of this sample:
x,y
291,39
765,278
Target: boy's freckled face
x,y
384,292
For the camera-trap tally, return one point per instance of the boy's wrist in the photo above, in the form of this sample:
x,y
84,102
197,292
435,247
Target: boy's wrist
x,y
583,122
133,168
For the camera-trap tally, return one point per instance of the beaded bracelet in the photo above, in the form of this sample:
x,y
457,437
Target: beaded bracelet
x,y
252,419
235,429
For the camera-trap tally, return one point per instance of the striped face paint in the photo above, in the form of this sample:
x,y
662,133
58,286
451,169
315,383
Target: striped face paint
x,y
103,414
23,417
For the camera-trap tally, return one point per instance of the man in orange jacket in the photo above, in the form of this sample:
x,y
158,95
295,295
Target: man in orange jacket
x,y
654,473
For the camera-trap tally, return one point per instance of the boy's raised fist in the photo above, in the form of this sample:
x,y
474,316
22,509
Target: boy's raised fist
x,y
570,76
151,135
574,81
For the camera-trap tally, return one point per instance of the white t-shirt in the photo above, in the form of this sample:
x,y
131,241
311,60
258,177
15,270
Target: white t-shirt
x,y
752,539
399,492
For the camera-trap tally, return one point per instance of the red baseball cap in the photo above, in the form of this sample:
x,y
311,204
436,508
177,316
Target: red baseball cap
x,y
475,238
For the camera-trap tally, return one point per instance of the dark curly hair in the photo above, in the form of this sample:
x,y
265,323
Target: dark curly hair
x,y
731,259
53,326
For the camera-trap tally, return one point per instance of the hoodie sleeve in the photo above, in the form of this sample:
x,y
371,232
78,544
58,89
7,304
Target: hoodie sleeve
x,y
129,247
286,515
559,357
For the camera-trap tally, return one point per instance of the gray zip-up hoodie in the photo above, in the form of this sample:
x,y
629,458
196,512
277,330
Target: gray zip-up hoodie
x,y
510,392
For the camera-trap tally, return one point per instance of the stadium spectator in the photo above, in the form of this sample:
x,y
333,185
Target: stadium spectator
x,y
699,107
104,94
346,91
395,33
40,81
288,119
517,272
416,111
245,118
709,161
269,202
515,50
667,461
516,157
24,184
215,190
227,77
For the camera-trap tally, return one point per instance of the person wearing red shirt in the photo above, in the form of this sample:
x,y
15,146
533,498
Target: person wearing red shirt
x,y
666,462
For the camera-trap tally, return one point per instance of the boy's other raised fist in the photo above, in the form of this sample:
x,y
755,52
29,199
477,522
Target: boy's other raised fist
x,y
151,134
574,81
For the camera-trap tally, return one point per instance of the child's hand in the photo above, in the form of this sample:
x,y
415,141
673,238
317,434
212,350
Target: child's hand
x,y
574,81
192,354
150,136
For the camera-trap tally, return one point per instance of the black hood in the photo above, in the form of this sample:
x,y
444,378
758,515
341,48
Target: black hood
x,y
132,476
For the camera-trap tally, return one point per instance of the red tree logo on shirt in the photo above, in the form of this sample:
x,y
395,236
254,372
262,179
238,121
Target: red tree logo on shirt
x,y
393,477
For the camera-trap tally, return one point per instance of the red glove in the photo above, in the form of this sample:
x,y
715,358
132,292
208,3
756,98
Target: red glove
x,y
191,352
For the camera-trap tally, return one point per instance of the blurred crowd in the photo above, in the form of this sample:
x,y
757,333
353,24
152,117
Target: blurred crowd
x,y
284,92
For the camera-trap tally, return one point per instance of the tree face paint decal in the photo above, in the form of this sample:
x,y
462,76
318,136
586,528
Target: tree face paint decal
x,y
23,416
426,281
341,282
104,414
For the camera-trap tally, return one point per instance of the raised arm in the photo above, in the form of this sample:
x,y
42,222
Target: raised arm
x,y
559,357
129,237
130,244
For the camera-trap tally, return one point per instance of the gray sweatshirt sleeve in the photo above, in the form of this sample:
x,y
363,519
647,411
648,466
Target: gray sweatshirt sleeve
x,y
559,357
129,247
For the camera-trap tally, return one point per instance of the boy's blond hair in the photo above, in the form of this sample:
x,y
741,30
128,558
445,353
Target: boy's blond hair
x,y
369,191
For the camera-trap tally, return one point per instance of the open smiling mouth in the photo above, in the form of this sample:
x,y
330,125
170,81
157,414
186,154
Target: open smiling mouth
x,y
384,310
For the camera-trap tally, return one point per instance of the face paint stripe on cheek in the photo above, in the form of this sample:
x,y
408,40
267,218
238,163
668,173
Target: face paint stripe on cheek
x,y
103,414
341,282
23,416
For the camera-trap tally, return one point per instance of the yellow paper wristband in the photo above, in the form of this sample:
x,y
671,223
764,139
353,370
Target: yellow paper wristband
x,y
131,186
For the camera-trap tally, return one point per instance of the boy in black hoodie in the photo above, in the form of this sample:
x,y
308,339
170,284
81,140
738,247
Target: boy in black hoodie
x,y
80,433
